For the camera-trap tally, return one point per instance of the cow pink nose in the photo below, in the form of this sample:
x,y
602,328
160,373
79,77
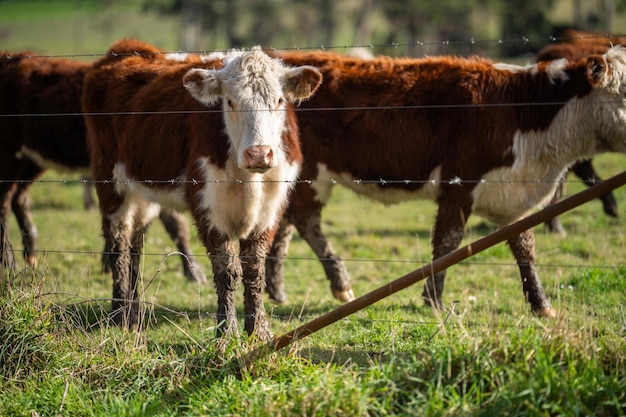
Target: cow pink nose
x,y
259,157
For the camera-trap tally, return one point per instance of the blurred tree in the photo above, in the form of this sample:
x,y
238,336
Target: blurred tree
x,y
440,21
447,26
523,24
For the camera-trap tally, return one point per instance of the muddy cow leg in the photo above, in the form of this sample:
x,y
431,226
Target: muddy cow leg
x,y
117,229
117,236
226,275
585,171
125,238
447,236
253,252
275,263
176,226
21,206
309,225
7,257
523,248
140,228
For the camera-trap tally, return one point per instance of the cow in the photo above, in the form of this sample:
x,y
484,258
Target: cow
x,y
474,136
572,45
159,137
42,129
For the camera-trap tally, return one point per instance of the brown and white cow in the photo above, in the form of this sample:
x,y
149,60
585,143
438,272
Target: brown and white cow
x,y
474,136
43,128
232,165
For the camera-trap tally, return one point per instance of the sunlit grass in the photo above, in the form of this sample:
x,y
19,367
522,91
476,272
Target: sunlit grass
x,y
488,355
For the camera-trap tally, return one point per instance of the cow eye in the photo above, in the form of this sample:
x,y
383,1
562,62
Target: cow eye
x,y
230,104
281,102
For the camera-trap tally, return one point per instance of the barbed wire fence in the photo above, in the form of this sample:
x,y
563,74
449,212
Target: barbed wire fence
x,y
524,40
339,181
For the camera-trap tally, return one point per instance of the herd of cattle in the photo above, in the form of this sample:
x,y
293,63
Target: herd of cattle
x,y
252,142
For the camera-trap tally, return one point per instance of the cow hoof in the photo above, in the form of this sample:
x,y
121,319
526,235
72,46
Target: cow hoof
x,y
434,304
547,312
344,295
280,300
31,260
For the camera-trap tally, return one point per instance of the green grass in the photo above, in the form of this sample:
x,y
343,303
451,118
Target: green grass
x,y
396,357
80,27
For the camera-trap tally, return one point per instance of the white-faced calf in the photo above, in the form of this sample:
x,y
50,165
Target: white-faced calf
x,y
232,164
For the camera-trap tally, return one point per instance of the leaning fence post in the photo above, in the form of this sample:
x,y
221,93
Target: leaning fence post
x,y
450,259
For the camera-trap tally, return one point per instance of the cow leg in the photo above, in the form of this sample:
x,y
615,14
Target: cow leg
x,y
7,258
253,252
117,235
275,263
226,275
585,171
141,225
447,236
117,229
89,202
309,225
523,248
554,224
21,205
176,226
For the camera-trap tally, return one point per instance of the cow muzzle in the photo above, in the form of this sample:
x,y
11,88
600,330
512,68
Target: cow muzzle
x,y
258,158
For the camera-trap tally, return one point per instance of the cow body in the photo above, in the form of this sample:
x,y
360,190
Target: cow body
x,y
43,128
36,86
232,167
473,136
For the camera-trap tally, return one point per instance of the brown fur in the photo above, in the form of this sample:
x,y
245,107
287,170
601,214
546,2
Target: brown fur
x,y
51,90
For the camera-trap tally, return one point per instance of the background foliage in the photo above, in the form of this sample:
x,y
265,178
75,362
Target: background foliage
x,y
446,26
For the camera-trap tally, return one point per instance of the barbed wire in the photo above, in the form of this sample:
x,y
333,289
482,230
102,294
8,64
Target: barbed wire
x,y
152,307
381,181
550,39
413,262
295,109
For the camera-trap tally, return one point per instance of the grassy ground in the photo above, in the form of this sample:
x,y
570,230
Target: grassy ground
x,y
490,356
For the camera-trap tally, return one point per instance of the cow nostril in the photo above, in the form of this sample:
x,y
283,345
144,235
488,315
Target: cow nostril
x,y
259,156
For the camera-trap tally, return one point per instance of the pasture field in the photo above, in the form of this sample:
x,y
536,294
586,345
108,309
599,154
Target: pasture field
x,y
59,355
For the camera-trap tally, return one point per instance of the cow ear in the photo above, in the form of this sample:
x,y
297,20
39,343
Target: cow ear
x,y
597,69
301,82
203,85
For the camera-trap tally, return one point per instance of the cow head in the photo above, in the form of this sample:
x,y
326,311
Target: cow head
x,y
255,90
607,75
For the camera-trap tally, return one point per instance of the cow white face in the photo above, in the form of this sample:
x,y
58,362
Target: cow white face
x,y
607,73
255,90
